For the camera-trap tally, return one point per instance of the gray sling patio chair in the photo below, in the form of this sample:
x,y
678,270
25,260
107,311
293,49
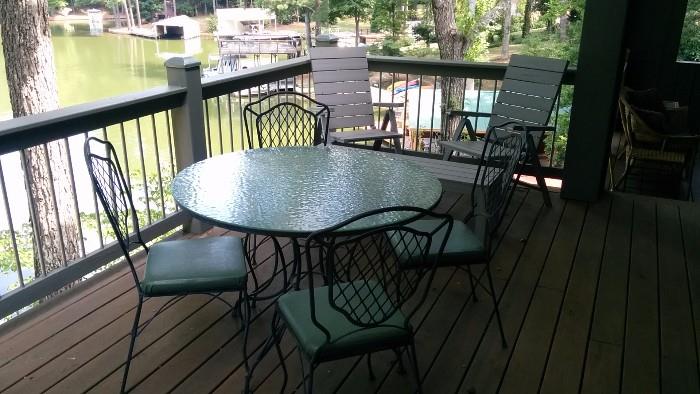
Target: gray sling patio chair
x,y
527,97
341,81
173,268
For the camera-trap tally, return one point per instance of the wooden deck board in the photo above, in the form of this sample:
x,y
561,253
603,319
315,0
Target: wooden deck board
x,y
640,371
602,298
567,353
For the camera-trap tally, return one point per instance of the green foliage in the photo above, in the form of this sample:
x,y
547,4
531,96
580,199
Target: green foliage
x,y
390,47
690,38
23,237
149,9
55,5
290,6
389,16
212,23
422,52
357,9
426,31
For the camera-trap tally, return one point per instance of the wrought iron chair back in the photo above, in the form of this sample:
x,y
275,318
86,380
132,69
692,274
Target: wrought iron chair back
x,y
286,119
113,192
365,272
496,177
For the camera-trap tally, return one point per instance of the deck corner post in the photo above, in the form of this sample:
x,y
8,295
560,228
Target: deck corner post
x,y
188,120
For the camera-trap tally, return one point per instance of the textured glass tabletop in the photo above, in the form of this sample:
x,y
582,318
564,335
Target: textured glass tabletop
x,y
294,191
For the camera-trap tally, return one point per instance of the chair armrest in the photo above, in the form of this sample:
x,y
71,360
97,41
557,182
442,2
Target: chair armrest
x,y
471,114
388,105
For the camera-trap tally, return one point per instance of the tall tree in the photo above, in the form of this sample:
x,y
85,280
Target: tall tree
x,y
457,30
527,18
389,15
507,21
31,78
357,9
313,10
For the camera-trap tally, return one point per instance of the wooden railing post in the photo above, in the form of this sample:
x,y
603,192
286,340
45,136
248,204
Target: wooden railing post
x,y
188,119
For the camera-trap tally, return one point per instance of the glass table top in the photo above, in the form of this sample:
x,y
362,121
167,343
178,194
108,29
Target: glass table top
x,y
294,191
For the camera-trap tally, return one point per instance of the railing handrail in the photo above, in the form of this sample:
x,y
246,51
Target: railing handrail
x,y
37,129
32,130
447,68
215,86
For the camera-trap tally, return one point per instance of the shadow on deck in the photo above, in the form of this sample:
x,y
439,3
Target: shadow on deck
x,y
595,298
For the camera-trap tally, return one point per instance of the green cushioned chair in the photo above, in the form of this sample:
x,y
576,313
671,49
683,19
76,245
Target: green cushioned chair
x,y
469,242
173,268
359,310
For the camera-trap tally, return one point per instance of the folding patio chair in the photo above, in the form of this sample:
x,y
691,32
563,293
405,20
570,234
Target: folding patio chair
x,y
341,81
527,97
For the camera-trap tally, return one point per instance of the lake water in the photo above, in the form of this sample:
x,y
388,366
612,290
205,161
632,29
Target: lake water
x,y
90,67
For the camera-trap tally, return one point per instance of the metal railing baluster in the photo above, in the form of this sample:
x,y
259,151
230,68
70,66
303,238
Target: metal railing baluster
x,y
97,209
74,194
143,171
221,132
230,119
208,128
38,241
54,203
11,226
122,134
418,131
158,170
432,111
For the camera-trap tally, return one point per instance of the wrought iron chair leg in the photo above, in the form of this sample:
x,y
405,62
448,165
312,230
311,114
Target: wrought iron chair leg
x,y
134,333
369,367
277,337
245,319
495,305
414,365
471,282
297,263
310,388
399,360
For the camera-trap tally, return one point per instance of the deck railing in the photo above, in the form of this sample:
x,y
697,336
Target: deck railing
x,y
161,130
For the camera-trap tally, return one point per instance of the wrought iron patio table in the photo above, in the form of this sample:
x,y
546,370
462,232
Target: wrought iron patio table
x,y
294,191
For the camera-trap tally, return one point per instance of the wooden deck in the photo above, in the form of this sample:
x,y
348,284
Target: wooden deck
x,y
595,298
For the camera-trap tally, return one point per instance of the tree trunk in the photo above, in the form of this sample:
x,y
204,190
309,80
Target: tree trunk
x,y
138,13
129,15
357,31
527,18
115,11
563,27
453,45
564,24
507,18
307,29
31,79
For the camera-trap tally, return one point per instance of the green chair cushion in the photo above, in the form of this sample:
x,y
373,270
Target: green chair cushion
x,y
462,247
204,265
346,338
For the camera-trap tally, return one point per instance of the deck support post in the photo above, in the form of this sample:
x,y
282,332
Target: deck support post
x,y
595,99
188,120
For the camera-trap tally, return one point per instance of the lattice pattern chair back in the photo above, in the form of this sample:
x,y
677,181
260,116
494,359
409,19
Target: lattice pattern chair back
x,y
497,174
365,273
114,194
286,119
